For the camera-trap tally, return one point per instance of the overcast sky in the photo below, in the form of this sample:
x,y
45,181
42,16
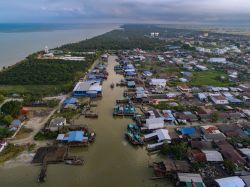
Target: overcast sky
x,y
123,11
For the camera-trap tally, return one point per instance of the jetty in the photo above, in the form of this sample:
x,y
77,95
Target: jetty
x,y
53,155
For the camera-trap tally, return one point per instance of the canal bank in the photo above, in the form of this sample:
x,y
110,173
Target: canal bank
x,y
110,161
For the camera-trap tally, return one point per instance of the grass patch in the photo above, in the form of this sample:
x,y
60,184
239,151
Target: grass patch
x,y
48,135
66,114
10,151
34,89
209,78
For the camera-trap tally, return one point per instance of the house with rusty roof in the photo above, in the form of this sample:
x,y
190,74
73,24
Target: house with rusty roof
x,y
212,133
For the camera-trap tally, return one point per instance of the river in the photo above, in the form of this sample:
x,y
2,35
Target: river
x,y
110,161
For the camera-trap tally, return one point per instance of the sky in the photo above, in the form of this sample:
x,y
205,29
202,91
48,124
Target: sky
x,y
126,11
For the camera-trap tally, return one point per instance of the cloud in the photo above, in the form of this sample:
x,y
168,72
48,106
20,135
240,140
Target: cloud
x,y
126,10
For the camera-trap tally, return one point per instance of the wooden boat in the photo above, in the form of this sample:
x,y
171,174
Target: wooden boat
x,y
91,115
74,161
92,137
122,101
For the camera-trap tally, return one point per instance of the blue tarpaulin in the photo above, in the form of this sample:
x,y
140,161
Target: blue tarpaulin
x,y
187,130
75,136
70,100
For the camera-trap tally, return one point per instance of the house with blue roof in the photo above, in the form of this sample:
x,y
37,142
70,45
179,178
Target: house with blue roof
x,y
88,89
168,115
73,137
15,124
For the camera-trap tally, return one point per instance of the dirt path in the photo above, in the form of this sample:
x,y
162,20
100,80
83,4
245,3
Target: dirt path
x,y
36,124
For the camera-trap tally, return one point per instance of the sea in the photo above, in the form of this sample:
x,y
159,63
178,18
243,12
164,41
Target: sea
x,y
18,40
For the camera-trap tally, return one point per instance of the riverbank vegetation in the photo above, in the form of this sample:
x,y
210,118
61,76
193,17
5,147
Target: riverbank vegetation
x,y
43,76
10,151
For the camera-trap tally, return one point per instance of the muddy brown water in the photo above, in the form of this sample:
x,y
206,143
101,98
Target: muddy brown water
x,y
110,161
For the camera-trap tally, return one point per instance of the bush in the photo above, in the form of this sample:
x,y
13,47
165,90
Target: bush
x,y
10,151
1,98
178,150
5,133
11,108
53,103
196,166
45,135
230,167
7,119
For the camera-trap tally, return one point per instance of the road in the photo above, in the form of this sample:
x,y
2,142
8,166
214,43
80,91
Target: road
x,y
9,99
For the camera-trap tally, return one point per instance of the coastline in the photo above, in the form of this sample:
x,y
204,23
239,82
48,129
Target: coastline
x,y
23,44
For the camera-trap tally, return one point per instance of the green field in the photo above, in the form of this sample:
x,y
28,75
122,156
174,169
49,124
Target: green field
x,y
209,78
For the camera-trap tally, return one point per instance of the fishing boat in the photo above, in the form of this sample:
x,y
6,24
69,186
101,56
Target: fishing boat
x,y
124,110
133,138
133,128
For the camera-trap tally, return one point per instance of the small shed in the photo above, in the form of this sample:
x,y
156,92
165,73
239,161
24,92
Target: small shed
x,y
15,124
24,110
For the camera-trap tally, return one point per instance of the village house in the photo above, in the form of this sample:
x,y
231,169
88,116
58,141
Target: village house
x,y
245,86
229,153
161,135
56,124
170,167
212,133
204,113
202,97
88,89
231,130
190,179
184,88
15,124
158,82
218,60
219,100
73,138
234,181
212,156
168,115
154,123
